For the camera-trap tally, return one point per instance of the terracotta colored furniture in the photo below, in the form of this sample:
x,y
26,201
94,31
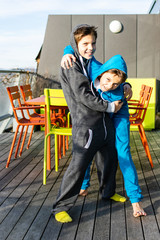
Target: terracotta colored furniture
x,y
14,96
137,118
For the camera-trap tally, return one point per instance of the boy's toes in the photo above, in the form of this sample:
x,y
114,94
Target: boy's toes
x,y
139,214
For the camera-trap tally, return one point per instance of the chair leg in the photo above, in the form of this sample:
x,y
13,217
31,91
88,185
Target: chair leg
x,y
67,138
45,161
59,147
141,136
19,140
30,136
64,146
12,146
23,141
56,152
145,143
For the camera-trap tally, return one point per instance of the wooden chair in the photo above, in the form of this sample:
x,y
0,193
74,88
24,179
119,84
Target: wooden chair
x,y
14,96
138,117
64,131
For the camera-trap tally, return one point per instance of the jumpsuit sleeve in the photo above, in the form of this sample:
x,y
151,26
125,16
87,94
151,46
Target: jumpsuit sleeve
x,y
68,50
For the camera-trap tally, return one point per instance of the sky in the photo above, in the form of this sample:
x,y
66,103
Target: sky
x,y
23,23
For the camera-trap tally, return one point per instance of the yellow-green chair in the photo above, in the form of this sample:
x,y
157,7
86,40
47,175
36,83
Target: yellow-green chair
x,y
59,101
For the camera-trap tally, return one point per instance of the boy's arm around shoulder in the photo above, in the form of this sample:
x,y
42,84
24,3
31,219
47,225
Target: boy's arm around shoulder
x,y
68,50
68,57
81,86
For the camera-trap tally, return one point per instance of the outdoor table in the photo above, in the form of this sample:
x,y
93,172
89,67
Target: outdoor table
x,y
40,101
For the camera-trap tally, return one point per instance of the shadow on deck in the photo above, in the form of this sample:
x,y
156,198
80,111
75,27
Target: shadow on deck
x,y
25,204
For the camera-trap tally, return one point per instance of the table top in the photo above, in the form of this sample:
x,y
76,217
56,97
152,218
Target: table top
x,y
36,101
41,101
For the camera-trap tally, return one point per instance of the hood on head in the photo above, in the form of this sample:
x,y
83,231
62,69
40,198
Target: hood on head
x,y
115,62
72,39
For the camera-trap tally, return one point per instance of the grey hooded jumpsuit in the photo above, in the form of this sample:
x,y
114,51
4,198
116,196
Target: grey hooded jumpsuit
x,y
92,133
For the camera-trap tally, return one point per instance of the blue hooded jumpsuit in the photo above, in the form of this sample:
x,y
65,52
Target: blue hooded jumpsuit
x,y
121,124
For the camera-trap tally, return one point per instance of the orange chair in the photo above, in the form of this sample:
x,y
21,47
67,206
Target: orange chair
x,y
136,103
26,93
14,96
58,116
138,117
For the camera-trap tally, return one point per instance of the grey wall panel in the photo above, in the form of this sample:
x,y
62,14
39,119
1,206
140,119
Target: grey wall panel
x,y
138,43
148,46
56,36
123,43
94,20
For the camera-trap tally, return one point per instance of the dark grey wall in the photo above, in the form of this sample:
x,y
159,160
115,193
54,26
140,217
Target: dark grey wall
x,y
138,43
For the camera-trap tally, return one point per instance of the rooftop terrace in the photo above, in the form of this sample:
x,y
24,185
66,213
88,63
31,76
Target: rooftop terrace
x,y
25,203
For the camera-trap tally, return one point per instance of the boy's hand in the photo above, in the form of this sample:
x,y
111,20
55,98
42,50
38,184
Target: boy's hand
x,y
66,61
127,92
118,104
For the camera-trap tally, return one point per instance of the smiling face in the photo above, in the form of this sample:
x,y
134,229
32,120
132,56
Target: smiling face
x,y
87,46
109,81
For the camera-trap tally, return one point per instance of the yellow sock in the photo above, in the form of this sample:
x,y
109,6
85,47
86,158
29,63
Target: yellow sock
x,y
118,198
63,217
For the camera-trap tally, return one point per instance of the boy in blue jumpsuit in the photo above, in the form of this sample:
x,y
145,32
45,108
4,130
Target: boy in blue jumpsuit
x,y
121,123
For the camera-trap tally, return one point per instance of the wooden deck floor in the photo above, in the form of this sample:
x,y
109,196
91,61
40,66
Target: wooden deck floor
x,y
25,204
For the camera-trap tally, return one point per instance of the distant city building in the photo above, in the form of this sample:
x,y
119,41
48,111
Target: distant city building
x,y
155,7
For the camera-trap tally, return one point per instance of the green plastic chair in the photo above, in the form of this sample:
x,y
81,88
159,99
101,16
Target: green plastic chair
x,y
50,100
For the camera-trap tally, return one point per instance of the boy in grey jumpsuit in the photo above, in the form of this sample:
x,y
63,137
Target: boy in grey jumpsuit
x,y
92,132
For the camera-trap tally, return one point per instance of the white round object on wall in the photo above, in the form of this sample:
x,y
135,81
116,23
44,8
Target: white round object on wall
x,y
115,26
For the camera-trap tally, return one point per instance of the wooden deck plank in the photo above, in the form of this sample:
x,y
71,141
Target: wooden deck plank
x,y
87,220
150,231
102,221
71,231
117,209
13,162
25,204
32,209
43,216
133,225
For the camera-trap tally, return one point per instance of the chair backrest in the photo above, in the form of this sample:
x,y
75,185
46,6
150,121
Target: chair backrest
x,y
144,103
138,102
53,97
14,96
146,96
26,92
56,97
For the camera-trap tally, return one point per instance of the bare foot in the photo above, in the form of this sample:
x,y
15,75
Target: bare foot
x,y
138,211
83,192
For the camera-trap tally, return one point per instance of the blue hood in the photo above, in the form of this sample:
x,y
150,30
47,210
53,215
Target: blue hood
x,y
116,62
96,69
